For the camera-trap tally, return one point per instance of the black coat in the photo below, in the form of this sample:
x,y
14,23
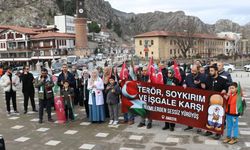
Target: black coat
x,y
216,84
27,80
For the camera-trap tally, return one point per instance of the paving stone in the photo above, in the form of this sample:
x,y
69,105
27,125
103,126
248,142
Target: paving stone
x,y
242,123
136,137
31,112
247,144
85,123
102,134
52,143
42,129
14,118
245,132
17,127
87,146
114,126
172,140
212,142
22,139
71,132
35,120
126,148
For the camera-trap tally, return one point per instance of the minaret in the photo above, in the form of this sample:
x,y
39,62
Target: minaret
x,y
81,46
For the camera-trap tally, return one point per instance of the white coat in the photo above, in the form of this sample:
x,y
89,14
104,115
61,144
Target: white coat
x,y
6,79
99,86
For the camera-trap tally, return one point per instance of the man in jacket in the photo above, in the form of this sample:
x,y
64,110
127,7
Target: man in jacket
x,y
28,89
66,75
9,83
224,74
44,84
216,83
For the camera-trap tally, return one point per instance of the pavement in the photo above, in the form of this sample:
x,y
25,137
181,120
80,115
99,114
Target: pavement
x,y
22,132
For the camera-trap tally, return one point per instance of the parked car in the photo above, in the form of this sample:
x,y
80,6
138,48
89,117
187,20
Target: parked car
x,y
247,67
229,67
83,62
56,67
72,60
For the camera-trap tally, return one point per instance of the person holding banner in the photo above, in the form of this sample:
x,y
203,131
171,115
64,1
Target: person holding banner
x,y
96,101
44,84
193,80
216,83
171,80
67,94
145,78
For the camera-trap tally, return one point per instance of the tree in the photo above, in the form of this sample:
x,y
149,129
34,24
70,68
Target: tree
x,y
117,29
185,40
109,24
94,27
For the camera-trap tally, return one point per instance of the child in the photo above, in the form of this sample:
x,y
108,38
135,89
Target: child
x,y
232,115
113,91
68,93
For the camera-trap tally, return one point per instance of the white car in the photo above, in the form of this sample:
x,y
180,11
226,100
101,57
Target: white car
x,y
247,67
229,67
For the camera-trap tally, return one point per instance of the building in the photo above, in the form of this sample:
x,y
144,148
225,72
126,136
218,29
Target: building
x,y
65,23
232,43
163,45
245,46
28,45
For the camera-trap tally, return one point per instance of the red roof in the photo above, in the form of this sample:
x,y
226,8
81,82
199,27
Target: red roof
x,y
52,35
19,29
45,29
165,34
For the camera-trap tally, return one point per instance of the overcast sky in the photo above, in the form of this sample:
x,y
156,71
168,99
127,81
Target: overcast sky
x,y
209,11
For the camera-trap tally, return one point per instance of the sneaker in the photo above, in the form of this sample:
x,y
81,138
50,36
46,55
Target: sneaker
x,y
171,129
149,125
40,121
226,140
16,112
165,128
50,120
111,122
131,122
233,141
35,110
8,114
217,136
141,124
208,133
115,122
188,128
25,112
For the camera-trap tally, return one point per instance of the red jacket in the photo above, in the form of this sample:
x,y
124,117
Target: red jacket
x,y
232,105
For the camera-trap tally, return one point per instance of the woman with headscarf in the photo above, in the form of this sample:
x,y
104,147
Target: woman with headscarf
x,y
106,77
96,101
170,80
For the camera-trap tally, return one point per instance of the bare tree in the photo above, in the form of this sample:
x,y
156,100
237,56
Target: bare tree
x,y
185,37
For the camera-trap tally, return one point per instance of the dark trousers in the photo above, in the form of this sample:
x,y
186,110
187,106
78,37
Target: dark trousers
x,y
86,105
8,96
170,125
77,97
68,112
2,144
27,96
44,104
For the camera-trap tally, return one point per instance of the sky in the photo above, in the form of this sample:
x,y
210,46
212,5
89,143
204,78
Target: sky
x,y
209,11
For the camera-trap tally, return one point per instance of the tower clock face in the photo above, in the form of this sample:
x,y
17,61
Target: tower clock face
x,y
80,10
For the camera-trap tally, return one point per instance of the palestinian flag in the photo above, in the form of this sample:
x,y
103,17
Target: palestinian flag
x,y
138,108
239,100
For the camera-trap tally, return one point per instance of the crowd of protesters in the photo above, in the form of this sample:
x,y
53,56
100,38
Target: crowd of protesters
x,y
99,91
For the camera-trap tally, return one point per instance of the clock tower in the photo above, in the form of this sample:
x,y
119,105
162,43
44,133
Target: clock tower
x,y
81,47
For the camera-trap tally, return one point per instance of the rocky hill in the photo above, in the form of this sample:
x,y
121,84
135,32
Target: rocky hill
x,y
41,12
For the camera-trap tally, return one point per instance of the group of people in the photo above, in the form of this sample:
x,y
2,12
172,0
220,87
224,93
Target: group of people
x,y
99,91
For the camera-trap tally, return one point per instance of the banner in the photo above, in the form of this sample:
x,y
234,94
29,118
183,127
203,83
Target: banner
x,y
191,107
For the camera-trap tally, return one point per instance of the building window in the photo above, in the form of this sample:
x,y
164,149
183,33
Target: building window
x,y
152,53
10,35
140,42
170,42
3,36
170,51
174,42
18,35
140,53
152,42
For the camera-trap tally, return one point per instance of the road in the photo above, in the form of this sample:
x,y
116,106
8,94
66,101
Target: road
x,y
22,132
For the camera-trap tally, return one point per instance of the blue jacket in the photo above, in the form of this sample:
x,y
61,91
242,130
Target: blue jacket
x,y
226,76
189,80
